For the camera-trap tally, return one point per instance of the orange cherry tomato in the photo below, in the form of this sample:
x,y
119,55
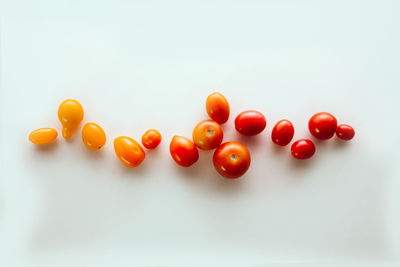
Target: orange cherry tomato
x,y
282,133
217,107
183,151
93,136
207,134
231,159
70,114
128,151
43,136
345,132
151,139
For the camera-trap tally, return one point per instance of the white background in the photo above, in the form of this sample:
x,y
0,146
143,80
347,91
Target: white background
x,y
151,64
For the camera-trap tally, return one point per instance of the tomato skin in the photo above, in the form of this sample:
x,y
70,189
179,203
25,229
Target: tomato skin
x,y
282,133
128,151
43,136
217,107
207,135
231,159
345,132
70,114
322,125
151,139
183,151
93,136
303,149
250,122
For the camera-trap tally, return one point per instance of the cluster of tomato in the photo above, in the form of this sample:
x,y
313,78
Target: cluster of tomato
x,y
231,159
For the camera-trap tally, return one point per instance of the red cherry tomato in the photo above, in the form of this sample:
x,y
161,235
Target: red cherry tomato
x,y
322,125
303,149
151,139
217,107
231,159
183,151
282,133
345,132
250,122
207,134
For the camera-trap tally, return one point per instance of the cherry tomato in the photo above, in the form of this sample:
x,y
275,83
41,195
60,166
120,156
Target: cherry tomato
x,y
282,133
345,132
322,125
217,107
43,136
151,139
231,159
128,151
183,151
207,134
70,114
250,122
93,136
303,149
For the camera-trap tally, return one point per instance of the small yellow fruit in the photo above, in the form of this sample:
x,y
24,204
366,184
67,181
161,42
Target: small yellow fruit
x,y
70,114
43,136
93,136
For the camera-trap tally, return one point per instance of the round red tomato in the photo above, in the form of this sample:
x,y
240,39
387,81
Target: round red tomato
x,y
183,151
345,132
322,125
207,134
151,139
303,149
231,159
282,133
250,122
217,107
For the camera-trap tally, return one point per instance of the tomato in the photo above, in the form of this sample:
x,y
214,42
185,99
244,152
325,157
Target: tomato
x,y
231,159
93,136
217,107
250,122
128,151
322,125
183,151
345,132
282,133
303,149
43,136
70,114
207,134
151,139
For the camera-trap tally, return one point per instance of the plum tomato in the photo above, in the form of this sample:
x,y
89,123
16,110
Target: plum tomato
x,y
322,125
231,159
207,135
128,151
250,122
217,107
43,136
282,133
345,132
151,139
303,149
93,136
183,151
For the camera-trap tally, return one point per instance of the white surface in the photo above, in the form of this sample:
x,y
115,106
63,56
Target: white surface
x,y
151,64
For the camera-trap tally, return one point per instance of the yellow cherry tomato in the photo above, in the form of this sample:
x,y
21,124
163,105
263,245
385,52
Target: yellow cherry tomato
x,y
93,136
43,136
128,151
70,114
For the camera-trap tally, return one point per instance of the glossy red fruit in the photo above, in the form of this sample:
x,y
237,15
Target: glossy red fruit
x,y
250,122
303,149
217,107
282,133
183,151
345,132
231,159
322,125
